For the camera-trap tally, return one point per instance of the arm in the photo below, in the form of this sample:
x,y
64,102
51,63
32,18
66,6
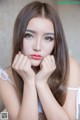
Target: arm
x,y
51,107
10,99
29,107
74,82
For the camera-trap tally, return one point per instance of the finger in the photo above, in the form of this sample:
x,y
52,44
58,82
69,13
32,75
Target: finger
x,y
27,65
53,61
23,63
20,60
43,64
50,61
15,60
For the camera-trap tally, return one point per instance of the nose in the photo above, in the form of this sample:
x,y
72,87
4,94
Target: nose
x,y
37,45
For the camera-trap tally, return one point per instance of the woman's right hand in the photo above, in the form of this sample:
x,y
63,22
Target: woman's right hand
x,y
22,66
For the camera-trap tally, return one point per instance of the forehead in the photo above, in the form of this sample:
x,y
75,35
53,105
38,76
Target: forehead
x,y
40,23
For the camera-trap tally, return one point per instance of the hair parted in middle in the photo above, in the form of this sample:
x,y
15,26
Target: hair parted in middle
x,y
58,79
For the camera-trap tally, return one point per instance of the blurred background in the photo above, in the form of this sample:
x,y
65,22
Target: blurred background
x,y
70,17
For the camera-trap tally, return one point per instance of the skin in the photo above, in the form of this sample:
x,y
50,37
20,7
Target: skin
x,y
41,42
37,40
35,82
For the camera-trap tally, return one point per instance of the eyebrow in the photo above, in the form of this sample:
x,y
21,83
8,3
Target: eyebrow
x,y
27,30
34,32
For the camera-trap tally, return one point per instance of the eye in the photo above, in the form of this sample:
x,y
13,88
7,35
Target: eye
x,y
28,36
49,38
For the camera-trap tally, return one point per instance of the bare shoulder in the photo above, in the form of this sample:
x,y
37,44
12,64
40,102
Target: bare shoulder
x,y
74,74
11,81
9,71
73,82
9,94
10,74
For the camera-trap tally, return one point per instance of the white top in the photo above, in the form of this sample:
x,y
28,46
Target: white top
x,y
4,76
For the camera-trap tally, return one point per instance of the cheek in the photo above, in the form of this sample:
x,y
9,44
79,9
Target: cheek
x,y
49,48
26,48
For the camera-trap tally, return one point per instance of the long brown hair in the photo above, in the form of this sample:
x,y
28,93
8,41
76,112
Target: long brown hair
x,y
58,80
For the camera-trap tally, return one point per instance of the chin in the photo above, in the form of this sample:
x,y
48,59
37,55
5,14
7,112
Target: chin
x,y
35,63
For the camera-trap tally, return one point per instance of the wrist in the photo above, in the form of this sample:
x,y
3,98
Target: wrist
x,y
29,82
29,86
41,84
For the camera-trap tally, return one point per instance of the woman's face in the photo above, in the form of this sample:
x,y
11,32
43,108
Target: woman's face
x,y
38,41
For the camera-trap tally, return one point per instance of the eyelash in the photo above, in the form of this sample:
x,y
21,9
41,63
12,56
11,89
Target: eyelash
x,y
49,38
28,35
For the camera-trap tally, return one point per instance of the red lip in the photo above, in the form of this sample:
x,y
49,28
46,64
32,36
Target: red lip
x,y
36,57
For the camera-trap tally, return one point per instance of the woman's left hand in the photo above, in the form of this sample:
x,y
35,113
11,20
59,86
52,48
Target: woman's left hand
x,y
47,67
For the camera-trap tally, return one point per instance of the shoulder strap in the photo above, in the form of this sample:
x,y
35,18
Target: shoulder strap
x,y
72,88
78,104
77,101
4,75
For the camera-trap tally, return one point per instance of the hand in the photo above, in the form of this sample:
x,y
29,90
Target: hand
x,y
47,68
22,66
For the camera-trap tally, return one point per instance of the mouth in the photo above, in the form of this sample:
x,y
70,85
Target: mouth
x,y
36,57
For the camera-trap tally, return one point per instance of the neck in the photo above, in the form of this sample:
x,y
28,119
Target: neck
x,y
36,69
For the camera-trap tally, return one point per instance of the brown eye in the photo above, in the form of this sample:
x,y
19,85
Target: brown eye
x,y
49,38
28,36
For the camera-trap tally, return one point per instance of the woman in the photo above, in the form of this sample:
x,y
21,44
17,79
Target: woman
x,y
43,80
